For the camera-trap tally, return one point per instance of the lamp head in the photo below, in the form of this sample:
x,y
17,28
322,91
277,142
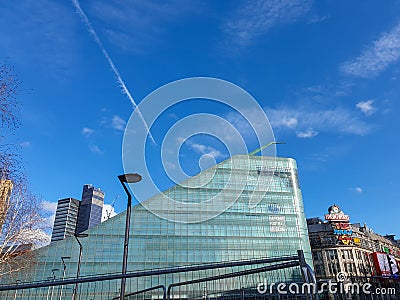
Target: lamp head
x,y
81,235
130,178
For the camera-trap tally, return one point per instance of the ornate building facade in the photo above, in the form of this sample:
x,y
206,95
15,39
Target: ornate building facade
x,y
339,246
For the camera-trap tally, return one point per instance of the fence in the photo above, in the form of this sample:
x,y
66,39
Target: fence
x,y
225,280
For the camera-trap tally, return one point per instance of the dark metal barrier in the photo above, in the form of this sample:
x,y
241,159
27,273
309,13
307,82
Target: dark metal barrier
x,y
107,286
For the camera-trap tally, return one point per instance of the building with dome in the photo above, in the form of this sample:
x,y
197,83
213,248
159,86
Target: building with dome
x,y
351,248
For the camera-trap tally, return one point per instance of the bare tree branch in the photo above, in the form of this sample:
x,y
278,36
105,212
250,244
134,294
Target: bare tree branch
x,y
10,166
23,229
8,90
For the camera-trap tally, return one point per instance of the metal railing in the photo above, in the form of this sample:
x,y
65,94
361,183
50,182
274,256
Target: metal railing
x,y
204,281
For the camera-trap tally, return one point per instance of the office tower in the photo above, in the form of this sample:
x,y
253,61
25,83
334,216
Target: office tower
x,y
5,193
91,208
265,220
65,220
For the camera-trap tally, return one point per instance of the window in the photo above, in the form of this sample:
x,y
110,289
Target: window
x,y
332,254
318,270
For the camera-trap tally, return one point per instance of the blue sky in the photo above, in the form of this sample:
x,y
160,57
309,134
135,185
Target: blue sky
x,y
326,73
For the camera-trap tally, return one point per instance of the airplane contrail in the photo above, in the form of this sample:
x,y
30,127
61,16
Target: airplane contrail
x,y
125,90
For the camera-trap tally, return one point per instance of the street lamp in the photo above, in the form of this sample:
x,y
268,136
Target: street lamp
x,y
78,235
127,178
48,290
54,278
63,258
15,295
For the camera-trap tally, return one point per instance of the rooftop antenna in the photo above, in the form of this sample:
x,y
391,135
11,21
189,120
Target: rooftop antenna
x,y
263,147
108,212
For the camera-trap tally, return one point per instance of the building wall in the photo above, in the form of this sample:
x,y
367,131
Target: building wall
x,y
91,208
66,218
355,259
5,192
273,226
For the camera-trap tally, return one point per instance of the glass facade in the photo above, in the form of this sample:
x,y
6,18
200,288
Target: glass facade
x,y
265,220
90,209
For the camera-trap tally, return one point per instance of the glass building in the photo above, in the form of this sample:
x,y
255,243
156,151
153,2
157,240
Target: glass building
x,y
91,208
262,216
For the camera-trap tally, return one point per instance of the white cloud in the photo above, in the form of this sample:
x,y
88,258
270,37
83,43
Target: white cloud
x,y
95,149
336,120
309,133
251,123
317,19
173,116
37,237
108,212
377,57
120,81
169,165
366,107
50,220
358,190
258,17
50,209
126,22
327,91
198,147
118,123
203,149
215,153
286,121
86,131
25,144
49,206
51,23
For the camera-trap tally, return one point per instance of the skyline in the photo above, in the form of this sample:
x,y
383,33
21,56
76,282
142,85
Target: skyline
x,y
326,75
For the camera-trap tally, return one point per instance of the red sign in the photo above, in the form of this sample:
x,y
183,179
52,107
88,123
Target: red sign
x,y
385,264
342,226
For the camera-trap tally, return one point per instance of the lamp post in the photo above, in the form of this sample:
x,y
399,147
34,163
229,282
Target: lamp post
x,y
54,278
127,178
78,235
63,258
15,295
48,290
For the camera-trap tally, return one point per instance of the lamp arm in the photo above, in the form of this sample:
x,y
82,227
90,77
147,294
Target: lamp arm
x,y
127,193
